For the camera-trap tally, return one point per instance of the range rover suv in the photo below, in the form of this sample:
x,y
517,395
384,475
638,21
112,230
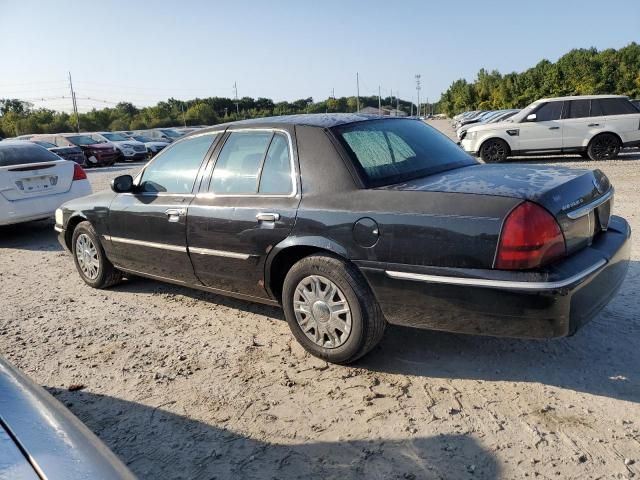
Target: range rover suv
x,y
595,126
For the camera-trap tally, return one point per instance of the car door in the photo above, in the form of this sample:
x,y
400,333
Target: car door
x,y
620,116
147,228
247,207
577,122
542,132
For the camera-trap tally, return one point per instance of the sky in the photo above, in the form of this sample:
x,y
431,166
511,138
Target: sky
x,y
144,52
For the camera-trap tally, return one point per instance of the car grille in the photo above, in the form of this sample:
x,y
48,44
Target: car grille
x,y
139,148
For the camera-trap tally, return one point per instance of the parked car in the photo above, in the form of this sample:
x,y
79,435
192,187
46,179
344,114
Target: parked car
x,y
160,134
499,116
40,438
96,152
129,150
74,154
595,127
351,221
34,182
153,147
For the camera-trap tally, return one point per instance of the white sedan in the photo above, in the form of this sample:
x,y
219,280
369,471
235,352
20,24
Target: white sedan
x,y
34,182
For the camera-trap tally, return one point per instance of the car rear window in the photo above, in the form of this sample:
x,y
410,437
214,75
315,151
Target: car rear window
x,y
14,154
394,150
612,106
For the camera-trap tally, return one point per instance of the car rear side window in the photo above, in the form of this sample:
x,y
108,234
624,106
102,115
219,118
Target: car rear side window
x,y
175,169
612,106
275,176
393,150
578,109
549,111
15,154
237,169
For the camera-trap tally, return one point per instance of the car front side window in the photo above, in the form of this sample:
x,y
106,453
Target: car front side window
x,y
176,168
548,112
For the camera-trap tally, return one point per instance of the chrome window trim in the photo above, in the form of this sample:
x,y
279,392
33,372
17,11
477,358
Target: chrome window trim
x,y
586,209
218,253
293,174
142,243
503,284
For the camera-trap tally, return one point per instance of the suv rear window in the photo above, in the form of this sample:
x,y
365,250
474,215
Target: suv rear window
x,y
391,151
15,154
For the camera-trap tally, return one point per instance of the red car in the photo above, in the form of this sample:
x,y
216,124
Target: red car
x,y
98,154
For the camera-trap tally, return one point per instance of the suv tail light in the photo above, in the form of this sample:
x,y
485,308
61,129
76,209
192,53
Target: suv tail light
x,y
530,238
78,173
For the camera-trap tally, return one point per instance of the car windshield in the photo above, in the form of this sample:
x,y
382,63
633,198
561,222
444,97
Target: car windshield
x,y
394,150
170,133
115,137
82,140
522,114
19,153
140,138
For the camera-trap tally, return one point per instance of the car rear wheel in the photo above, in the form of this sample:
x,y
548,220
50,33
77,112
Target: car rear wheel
x,y
331,310
91,262
605,146
494,150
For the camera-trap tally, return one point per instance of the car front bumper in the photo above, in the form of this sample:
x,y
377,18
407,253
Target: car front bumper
x,y
468,146
132,156
551,303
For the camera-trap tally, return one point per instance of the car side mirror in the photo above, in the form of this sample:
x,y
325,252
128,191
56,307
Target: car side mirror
x,y
531,117
122,184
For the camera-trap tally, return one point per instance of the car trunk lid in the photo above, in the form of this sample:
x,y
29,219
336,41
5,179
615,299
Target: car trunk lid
x,y
580,199
18,182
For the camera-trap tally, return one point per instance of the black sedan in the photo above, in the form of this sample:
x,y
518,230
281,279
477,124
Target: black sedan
x,y
350,222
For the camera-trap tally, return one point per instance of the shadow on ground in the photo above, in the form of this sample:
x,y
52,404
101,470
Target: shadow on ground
x,y
156,444
35,236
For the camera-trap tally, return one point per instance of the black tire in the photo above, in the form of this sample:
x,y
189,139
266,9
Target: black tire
x,y
106,274
367,320
494,150
605,146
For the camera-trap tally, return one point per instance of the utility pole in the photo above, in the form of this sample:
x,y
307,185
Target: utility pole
x,y
75,104
418,87
357,92
235,89
333,93
184,120
398,101
379,104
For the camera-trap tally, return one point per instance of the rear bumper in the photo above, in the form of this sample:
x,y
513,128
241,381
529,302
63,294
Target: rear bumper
x,y
28,209
551,303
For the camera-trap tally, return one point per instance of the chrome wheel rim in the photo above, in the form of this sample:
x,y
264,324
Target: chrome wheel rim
x,y
87,255
322,311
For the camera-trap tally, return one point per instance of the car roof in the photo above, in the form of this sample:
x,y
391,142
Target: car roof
x,y
579,97
322,120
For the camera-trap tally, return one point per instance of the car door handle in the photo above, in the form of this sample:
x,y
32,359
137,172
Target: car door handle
x,y
593,125
174,214
268,217
554,128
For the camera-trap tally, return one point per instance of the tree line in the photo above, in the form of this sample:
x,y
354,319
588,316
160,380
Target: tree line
x,y
579,72
18,117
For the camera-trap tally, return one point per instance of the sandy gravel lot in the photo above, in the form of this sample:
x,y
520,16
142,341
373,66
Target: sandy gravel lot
x,y
190,385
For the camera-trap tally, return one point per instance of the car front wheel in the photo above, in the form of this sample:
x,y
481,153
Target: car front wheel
x,y
494,150
331,310
91,262
605,146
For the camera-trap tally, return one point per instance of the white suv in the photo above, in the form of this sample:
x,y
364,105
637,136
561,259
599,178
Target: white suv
x,y
595,126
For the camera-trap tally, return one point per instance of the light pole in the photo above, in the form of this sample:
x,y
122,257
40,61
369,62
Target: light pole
x,y
418,87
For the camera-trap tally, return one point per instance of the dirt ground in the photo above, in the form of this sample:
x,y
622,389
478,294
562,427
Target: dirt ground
x,y
190,385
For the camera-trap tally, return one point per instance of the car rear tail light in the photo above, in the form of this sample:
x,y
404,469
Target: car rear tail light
x,y
530,238
78,173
